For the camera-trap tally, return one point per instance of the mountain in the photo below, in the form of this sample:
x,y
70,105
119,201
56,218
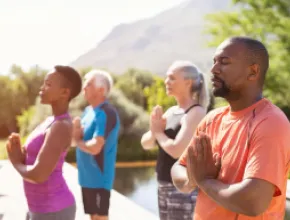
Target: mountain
x,y
153,44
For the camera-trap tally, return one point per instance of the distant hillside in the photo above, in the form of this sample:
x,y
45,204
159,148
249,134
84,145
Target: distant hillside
x,y
153,44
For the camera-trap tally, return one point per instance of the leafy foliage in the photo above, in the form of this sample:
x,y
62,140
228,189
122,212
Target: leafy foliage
x,y
156,95
134,122
268,21
132,83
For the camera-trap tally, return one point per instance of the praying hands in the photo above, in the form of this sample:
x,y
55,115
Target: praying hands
x,y
201,163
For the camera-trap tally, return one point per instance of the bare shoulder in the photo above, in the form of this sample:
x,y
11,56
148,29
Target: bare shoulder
x,y
61,127
58,136
196,111
194,116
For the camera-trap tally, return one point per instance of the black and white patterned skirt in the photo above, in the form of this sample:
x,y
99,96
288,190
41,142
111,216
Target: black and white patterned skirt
x,y
174,205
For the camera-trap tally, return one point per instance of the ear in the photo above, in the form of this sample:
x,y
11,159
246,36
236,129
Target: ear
x,y
254,74
101,90
66,92
189,82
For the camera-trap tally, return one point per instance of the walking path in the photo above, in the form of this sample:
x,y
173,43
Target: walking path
x,y
13,204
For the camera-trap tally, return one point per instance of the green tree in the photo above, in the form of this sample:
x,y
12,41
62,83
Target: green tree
x,y
156,95
32,79
13,101
266,20
19,89
132,84
134,123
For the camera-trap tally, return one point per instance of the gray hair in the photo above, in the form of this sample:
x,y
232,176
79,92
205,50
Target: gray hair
x,y
192,72
102,79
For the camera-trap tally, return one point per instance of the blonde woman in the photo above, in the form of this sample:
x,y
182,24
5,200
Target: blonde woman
x,y
172,132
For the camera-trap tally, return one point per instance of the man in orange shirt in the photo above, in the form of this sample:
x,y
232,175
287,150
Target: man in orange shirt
x,y
250,137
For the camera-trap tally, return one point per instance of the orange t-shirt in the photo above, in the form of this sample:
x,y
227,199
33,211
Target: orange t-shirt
x,y
252,143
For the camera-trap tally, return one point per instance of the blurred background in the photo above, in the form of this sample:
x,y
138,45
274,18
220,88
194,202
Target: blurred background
x,y
136,41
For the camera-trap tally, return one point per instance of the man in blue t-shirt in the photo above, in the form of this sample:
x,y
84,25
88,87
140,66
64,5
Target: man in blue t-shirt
x,y
96,138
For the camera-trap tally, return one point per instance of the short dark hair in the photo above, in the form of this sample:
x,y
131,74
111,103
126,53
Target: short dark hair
x,y
72,79
257,53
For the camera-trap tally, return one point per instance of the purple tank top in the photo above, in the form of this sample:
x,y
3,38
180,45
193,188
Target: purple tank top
x,y
52,195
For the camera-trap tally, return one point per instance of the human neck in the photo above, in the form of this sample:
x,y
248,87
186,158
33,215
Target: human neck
x,y
244,102
59,108
97,101
185,102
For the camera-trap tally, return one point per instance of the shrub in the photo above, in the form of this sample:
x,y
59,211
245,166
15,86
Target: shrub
x,y
134,122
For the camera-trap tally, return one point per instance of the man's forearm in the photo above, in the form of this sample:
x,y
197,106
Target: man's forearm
x,y
229,196
184,186
88,146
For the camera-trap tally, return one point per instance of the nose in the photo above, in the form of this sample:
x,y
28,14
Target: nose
x,y
166,81
85,89
215,70
84,86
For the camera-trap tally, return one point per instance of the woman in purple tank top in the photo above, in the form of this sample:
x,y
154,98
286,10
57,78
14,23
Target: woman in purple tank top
x,y
41,160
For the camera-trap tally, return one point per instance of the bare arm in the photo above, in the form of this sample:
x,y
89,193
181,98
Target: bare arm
x,y
96,144
93,146
250,197
264,172
180,178
57,139
175,147
148,141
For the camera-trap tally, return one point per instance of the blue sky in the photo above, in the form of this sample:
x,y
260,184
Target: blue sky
x,y
48,32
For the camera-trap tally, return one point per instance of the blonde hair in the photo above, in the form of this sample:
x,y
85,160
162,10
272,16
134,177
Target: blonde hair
x,y
191,71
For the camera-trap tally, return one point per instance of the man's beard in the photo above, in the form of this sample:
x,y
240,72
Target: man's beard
x,y
222,91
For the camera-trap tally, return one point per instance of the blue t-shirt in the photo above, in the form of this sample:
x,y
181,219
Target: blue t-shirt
x,y
98,171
